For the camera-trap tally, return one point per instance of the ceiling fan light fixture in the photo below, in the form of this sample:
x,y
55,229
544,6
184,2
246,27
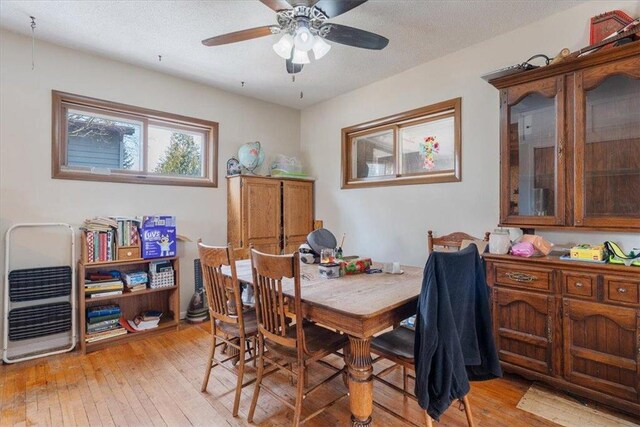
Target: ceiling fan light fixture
x,y
303,39
300,57
284,46
320,47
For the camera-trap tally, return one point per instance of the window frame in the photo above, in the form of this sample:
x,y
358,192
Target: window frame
x,y
62,102
444,109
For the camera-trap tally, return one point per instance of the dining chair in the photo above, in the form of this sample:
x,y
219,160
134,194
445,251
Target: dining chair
x,y
231,325
451,241
288,345
397,345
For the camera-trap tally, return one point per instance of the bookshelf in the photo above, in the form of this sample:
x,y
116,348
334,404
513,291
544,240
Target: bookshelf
x,y
166,299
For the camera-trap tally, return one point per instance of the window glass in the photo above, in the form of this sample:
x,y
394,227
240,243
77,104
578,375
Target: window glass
x,y
99,141
175,152
428,147
374,155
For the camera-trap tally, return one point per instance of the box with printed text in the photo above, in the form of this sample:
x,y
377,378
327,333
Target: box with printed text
x,y
158,236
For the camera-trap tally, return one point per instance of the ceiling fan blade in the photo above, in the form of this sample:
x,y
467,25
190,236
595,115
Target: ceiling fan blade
x,y
238,36
353,37
293,68
277,5
333,8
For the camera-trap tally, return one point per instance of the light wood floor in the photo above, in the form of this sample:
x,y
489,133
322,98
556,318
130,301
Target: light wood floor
x,y
157,382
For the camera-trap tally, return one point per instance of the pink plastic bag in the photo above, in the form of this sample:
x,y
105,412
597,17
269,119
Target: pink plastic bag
x,y
523,249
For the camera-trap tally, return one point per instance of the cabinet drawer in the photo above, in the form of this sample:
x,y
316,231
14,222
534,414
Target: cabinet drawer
x,y
581,285
621,289
529,278
128,252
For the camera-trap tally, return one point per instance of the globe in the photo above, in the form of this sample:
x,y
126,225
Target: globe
x,y
251,155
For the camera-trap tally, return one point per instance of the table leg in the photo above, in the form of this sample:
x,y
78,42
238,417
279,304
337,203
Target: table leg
x,y
360,381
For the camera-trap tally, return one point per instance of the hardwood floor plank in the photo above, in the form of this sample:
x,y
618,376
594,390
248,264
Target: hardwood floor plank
x,y
99,373
163,402
157,381
8,397
131,373
55,409
95,393
64,398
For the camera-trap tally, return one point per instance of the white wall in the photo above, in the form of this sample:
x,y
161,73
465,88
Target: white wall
x,y
391,223
27,192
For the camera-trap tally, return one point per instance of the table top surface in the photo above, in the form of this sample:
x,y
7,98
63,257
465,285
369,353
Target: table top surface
x,y
362,295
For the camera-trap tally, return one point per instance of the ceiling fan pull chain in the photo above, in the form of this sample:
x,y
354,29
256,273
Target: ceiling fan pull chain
x,y
33,42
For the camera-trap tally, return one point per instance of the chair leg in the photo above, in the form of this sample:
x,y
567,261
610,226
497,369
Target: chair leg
x,y
299,394
255,351
467,411
405,379
212,353
236,402
256,390
427,420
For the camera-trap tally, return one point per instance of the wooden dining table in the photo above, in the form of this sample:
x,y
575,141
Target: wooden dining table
x,y
360,306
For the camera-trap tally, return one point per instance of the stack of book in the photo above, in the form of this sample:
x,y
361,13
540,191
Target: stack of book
x,y
128,234
103,322
136,281
144,321
103,288
100,239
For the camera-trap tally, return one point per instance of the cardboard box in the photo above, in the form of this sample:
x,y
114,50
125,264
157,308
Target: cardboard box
x,y
158,236
595,253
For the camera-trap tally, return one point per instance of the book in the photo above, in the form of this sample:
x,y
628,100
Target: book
x,y
151,314
113,321
90,247
103,310
103,246
105,294
98,336
103,318
101,328
136,288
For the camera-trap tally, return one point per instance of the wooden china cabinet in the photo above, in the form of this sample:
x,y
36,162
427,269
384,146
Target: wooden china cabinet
x,y
570,143
570,160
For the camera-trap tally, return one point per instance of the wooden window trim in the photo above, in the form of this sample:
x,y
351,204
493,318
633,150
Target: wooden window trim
x,y
61,101
398,121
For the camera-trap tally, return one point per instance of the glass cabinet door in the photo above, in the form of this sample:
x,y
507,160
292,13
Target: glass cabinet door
x,y
608,146
532,154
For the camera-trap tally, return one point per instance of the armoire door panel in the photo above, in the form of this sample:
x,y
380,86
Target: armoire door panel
x,y
261,212
297,211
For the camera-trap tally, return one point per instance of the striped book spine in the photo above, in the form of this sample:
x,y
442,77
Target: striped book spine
x,y
90,248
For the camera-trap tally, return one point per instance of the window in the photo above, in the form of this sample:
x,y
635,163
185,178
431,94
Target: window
x,y
414,147
103,141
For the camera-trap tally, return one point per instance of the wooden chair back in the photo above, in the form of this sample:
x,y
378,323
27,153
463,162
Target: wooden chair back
x,y
223,294
268,273
451,241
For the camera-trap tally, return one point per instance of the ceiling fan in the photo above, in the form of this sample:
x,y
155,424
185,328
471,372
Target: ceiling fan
x,y
304,26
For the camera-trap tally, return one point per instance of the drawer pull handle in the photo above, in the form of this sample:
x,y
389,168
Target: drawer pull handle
x,y
579,285
622,290
521,277
129,253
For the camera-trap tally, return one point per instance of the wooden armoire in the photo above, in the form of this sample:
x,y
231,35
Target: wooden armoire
x,y
273,214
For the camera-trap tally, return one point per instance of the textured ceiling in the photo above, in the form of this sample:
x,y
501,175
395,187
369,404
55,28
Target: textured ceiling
x,y
138,31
